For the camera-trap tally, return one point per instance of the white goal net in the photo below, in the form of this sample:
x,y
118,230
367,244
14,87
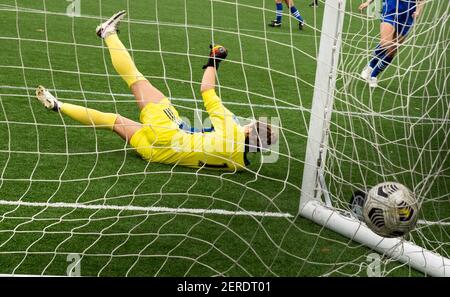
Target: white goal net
x,y
398,131
79,201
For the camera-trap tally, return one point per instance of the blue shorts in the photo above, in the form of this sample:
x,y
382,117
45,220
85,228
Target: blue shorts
x,y
399,13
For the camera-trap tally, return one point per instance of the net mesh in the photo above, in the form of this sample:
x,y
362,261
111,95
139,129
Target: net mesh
x,y
399,131
78,200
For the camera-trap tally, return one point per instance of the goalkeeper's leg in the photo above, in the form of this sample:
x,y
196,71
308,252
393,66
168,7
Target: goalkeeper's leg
x,y
143,91
124,127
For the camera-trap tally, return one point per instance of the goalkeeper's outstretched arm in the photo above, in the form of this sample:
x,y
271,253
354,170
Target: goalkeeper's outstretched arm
x,y
213,104
217,54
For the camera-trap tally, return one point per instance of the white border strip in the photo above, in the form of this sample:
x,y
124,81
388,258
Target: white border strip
x,y
32,275
147,209
425,222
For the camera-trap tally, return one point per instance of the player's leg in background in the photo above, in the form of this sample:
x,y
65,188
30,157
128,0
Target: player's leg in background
x,y
314,3
295,13
386,49
378,53
393,30
387,31
278,14
392,51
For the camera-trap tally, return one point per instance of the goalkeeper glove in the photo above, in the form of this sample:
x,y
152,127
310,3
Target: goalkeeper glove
x,y
218,53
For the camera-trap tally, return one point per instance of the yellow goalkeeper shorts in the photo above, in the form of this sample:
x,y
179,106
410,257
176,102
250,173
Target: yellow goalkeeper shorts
x,y
161,122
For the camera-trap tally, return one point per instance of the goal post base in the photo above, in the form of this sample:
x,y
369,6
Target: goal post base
x,y
423,260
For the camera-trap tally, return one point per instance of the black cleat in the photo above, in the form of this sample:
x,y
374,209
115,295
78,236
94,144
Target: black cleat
x,y
275,24
301,25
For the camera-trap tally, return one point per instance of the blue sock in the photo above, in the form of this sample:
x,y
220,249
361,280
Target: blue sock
x,y
279,12
382,64
296,14
377,55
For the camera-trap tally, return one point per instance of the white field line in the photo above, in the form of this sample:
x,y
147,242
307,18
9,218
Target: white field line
x,y
147,209
170,210
13,8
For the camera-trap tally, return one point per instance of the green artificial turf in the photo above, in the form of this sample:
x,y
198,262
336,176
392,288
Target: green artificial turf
x,y
48,158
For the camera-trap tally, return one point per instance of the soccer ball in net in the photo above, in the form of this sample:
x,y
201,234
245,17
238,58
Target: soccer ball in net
x,y
390,209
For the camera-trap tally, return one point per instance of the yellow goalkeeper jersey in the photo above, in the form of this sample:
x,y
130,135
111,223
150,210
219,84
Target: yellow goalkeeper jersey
x,y
163,139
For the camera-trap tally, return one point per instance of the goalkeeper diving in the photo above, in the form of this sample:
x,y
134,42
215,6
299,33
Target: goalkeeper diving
x,y
161,136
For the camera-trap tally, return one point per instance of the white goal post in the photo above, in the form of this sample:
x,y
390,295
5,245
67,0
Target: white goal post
x,y
313,184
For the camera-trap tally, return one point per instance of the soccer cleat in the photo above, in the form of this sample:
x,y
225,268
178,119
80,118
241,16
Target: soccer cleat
x,y
314,4
111,25
365,74
47,99
274,23
301,24
373,82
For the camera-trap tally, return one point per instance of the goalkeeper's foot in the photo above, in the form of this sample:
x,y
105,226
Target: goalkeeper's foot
x,y
47,99
111,25
366,72
275,24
